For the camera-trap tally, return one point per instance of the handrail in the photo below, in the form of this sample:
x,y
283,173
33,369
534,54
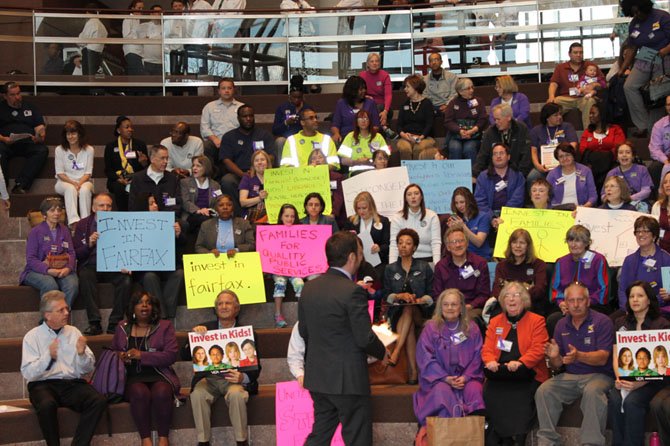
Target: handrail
x,y
331,53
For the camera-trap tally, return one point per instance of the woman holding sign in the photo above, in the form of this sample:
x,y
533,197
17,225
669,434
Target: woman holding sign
x,y
148,346
252,192
616,195
628,414
476,225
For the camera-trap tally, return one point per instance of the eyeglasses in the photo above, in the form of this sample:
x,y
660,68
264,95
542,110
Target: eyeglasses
x,y
455,242
506,295
363,119
642,231
563,156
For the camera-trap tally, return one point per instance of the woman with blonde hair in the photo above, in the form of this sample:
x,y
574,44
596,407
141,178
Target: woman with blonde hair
x,y
252,192
521,265
373,229
448,355
508,93
513,355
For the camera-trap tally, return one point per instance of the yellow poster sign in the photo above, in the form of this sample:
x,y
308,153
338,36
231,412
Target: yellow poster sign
x,y
205,276
292,184
547,228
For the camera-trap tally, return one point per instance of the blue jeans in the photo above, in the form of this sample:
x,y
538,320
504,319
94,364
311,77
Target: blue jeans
x,y
460,149
44,283
628,427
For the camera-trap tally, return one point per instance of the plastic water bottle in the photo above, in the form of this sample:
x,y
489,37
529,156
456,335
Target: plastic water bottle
x,y
654,440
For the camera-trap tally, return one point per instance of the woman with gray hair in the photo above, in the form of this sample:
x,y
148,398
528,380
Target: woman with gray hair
x,y
448,355
465,119
582,265
50,256
513,357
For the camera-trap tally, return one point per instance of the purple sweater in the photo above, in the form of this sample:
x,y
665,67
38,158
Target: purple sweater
x,y
476,287
40,244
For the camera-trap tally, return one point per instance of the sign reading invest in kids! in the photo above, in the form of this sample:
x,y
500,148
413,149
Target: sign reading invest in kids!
x,y
294,415
611,232
385,185
643,355
217,351
546,227
439,179
292,184
136,241
205,276
293,251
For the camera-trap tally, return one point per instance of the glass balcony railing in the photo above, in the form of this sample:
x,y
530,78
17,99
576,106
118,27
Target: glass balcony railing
x,y
164,51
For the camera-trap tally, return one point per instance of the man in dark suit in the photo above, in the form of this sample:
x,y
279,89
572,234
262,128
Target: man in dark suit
x,y
234,386
335,324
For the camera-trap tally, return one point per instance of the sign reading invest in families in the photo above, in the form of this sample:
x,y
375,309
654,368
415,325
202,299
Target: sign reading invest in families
x,y
294,415
438,179
205,276
643,355
217,351
136,241
292,184
546,227
293,251
611,232
385,185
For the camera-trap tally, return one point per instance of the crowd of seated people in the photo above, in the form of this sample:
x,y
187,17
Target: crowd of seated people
x,y
433,279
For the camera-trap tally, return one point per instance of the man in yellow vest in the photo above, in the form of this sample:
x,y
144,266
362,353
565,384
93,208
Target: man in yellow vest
x,y
298,147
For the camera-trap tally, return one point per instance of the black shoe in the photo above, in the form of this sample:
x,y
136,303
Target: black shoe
x,y
93,330
242,443
111,329
18,190
203,443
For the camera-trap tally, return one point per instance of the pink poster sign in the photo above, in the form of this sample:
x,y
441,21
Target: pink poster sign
x,y
293,251
294,411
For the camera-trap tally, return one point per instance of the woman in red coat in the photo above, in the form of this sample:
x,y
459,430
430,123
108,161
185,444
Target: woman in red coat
x,y
513,357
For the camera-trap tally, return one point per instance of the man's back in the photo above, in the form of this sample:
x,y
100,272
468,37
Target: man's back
x,y
335,324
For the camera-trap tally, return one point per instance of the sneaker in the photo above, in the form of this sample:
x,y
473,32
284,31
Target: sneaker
x,y
280,322
93,330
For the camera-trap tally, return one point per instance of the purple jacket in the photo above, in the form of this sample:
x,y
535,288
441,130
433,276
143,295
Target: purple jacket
x,y
344,116
162,349
82,233
476,287
638,180
659,143
634,268
586,187
486,187
40,244
520,108
591,270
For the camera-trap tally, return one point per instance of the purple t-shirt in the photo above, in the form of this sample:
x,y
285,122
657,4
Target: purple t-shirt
x,y
595,333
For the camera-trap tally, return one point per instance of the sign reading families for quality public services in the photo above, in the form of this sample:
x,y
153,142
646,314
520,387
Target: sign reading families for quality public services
x,y
294,415
293,251
386,186
205,276
611,232
292,184
217,351
643,355
439,179
546,227
136,241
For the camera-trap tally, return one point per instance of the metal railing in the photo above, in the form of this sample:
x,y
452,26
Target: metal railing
x,y
193,50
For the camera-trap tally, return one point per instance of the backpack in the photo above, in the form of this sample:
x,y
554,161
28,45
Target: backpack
x,y
109,377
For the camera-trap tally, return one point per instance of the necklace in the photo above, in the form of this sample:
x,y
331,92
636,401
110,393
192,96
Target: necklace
x,y
412,108
455,326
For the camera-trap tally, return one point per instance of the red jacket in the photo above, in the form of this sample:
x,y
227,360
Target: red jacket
x,y
615,136
532,335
